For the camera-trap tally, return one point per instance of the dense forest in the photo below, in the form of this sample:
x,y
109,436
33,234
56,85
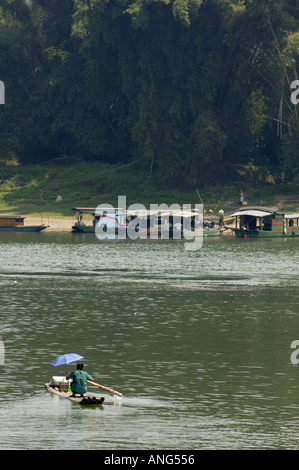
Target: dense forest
x,y
189,87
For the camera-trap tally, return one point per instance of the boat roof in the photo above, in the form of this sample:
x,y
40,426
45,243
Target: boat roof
x,y
92,210
164,213
291,216
12,217
141,212
255,211
211,217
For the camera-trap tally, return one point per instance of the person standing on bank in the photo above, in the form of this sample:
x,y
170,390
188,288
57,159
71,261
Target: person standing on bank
x,y
79,384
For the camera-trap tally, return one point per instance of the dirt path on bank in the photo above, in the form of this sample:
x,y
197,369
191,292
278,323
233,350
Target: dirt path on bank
x,y
55,225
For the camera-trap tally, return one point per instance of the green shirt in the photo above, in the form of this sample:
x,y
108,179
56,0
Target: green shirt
x,y
79,384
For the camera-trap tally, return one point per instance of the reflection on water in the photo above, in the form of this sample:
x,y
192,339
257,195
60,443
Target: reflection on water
x,y
197,342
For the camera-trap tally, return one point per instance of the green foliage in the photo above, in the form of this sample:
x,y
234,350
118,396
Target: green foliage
x,y
189,85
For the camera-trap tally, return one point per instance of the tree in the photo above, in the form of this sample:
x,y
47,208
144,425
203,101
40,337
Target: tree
x,y
191,85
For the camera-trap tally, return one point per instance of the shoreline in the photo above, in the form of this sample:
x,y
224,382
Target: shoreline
x,y
55,224
65,223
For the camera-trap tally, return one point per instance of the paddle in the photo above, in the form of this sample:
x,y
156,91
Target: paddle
x,y
105,388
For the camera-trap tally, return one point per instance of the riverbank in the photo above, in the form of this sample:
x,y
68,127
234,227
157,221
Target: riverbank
x,y
57,222
53,224
31,191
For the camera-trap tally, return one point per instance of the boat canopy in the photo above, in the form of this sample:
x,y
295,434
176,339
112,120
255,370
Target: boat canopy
x,y
255,211
162,213
93,210
143,212
12,217
291,216
251,213
83,209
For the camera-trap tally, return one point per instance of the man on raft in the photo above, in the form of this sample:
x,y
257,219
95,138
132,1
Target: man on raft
x,y
79,384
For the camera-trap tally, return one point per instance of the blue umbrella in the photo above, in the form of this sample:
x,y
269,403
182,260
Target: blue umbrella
x,y
65,359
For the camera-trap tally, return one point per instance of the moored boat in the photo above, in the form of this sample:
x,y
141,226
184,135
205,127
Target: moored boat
x,y
210,232
211,227
265,222
15,223
81,225
106,220
87,400
110,222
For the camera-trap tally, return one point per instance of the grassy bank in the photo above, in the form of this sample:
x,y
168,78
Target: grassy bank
x,y
32,190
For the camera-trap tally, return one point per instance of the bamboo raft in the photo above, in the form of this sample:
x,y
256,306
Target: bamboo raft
x,y
87,400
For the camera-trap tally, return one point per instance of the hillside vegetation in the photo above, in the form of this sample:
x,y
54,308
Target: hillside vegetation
x,y
32,190
188,88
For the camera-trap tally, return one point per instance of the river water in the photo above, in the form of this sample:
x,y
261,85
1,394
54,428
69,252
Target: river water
x,y
198,342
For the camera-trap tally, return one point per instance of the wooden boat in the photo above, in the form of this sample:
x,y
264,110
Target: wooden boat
x,y
15,223
109,221
160,223
209,232
265,222
87,400
210,228
81,226
112,222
